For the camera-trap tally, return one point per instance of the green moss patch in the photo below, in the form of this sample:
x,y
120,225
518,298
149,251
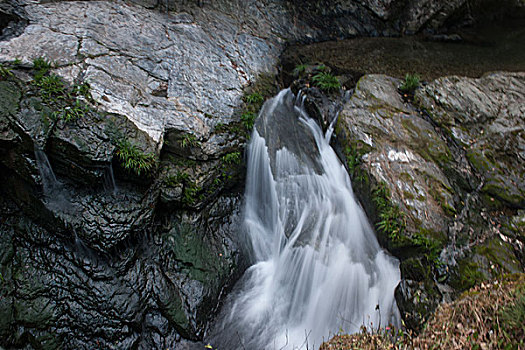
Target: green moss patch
x,y
467,276
10,95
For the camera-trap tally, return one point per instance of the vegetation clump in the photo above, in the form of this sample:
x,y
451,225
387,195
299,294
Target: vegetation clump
x,y
489,316
299,70
232,158
5,72
326,82
410,84
253,103
41,67
189,140
391,218
64,101
132,158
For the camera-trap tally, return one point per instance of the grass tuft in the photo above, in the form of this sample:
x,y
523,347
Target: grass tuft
x,y
410,84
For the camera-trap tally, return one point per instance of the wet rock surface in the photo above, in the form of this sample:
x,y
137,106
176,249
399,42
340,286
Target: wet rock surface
x,y
441,176
144,294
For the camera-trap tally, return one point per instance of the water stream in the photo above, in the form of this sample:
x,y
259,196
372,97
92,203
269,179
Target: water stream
x,y
49,180
109,180
318,268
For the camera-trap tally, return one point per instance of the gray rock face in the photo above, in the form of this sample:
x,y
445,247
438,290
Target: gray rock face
x,y
145,294
160,70
85,264
450,166
490,130
405,148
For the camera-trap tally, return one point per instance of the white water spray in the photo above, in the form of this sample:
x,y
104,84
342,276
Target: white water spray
x,y
318,268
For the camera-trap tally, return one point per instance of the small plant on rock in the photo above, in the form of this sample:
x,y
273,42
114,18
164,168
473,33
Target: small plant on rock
x,y
5,72
299,70
71,112
190,192
248,119
232,158
254,98
41,67
132,158
50,86
391,218
84,90
189,140
326,82
410,84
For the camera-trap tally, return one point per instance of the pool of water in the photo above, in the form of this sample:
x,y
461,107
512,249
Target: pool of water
x,y
491,47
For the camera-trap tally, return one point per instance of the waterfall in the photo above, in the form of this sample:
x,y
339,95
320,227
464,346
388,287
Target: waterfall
x,y
56,197
49,180
109,180
318,268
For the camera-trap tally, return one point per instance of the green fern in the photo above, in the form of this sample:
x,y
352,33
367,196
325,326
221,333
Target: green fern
x,y
248,120
41,67
51,86
132,158
232,158
254,98
326,82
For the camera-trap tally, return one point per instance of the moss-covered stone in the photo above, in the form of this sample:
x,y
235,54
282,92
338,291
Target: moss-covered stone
x,y
500,255
506,194
415,269
197,257
10,95
467,275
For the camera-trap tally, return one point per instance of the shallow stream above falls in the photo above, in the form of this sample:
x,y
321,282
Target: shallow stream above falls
x,y
495,46
317,266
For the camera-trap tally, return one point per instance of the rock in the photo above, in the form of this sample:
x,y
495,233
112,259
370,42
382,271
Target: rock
x,y
401,149
97,231
65,285
490,129
424,173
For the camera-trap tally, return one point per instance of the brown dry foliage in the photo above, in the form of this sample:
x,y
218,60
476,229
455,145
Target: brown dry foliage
x,y
474,321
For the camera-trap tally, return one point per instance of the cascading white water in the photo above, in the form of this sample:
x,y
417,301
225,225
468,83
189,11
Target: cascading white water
x,y
318,268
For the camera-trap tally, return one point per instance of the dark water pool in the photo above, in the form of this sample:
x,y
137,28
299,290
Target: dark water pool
x,y
491,47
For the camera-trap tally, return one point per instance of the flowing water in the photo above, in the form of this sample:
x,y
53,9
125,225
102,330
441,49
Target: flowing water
x,y
109,180
49,180
318,268
56,197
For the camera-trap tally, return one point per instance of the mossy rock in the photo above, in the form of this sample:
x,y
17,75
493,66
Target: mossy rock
x,y
497,193
197,257
499,254
467,275
175,313
10,95
493,258
415,269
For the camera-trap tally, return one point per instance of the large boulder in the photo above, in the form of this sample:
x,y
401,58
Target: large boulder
x,y
442,178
